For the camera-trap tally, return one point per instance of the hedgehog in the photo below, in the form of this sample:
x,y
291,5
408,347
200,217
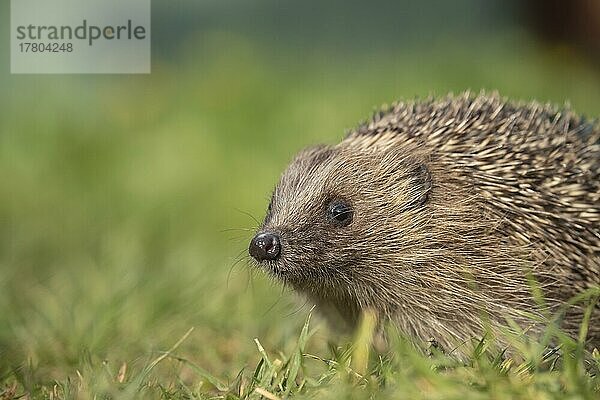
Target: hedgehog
x,y
449,218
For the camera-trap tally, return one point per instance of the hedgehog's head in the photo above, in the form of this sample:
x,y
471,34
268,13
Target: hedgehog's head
x,y
340,210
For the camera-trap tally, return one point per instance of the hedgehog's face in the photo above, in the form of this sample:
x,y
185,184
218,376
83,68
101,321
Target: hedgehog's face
x,y
337,209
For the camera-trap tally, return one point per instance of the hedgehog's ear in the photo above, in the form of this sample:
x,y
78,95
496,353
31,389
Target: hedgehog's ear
x,y
419,186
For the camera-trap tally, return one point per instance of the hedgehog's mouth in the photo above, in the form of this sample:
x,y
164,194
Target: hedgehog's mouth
x,y
276,269
282,271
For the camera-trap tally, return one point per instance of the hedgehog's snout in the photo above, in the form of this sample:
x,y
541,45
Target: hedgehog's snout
x,y
265,246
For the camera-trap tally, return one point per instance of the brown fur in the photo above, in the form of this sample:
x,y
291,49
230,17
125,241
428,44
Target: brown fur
x,y
457,203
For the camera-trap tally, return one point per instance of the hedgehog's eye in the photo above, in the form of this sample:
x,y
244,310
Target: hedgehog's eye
x,y
340,213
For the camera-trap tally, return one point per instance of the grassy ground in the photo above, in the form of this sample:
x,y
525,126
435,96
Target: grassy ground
x,y
127,204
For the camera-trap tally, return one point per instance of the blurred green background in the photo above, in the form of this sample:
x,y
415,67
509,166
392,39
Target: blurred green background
x,y
127,202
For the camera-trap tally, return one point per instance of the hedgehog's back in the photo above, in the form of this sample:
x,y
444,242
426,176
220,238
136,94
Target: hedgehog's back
x,y
535,167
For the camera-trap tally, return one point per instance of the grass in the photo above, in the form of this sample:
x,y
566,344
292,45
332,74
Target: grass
x,y
127,204
403,372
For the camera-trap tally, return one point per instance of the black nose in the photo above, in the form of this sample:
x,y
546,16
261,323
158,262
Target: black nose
x,y
265,246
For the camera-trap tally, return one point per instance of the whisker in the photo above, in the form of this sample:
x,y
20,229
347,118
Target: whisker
x,y
237,238
236,229
297,310
270,308
238,258
248,215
